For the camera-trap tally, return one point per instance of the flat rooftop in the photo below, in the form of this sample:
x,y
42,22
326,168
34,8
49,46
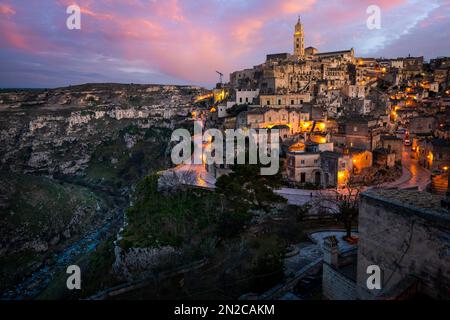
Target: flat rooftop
x,y
423,204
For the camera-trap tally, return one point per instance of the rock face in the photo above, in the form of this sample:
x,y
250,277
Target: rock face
x,y
140,261
60,148
55,137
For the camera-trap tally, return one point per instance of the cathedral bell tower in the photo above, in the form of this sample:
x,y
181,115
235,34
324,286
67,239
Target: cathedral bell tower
x,y
299,47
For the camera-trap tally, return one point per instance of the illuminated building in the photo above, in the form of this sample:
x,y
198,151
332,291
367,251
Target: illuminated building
x,y
299,44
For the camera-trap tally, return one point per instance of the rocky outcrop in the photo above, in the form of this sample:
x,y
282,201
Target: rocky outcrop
x,y
60,135
140,261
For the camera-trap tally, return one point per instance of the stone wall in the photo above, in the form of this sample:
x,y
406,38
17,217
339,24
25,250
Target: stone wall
x,y
403,240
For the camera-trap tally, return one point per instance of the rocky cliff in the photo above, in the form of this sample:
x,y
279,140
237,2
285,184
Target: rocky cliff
x,y
68,159
57,131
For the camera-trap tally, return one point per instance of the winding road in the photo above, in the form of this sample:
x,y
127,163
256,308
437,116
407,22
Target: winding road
x,y
414,175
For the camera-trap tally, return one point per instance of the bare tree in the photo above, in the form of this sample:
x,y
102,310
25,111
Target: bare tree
x,y
343,203
176,180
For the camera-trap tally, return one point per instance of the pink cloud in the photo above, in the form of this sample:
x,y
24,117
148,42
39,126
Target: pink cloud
x,y
7,10
186,39
19,36
168,9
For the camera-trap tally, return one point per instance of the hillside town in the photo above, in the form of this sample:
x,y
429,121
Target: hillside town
x,y
378,125
87,178
341,116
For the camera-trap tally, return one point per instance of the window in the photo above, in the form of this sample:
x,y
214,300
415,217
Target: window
x,y
246,99
240,99
292,101
302,161
302,177
316,161
279,101
268,102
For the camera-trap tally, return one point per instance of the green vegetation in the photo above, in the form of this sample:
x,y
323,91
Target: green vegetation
x,y
267,263
14,266
116,165
39,209
179,218
38,205
247,189
192,216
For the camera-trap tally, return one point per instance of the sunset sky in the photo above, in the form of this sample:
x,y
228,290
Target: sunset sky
x,y
186,41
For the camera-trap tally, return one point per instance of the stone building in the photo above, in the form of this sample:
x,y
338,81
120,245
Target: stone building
x,y
382,157
358,132
443,131
309,72
310,51
394,145
336,168
354,91
268,118
422,125
361,159
303,166
406,233
246,96
433,153
317,163
346,55
280,101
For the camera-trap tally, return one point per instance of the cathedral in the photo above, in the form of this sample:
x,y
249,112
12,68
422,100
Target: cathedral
x,y
305,71
299,45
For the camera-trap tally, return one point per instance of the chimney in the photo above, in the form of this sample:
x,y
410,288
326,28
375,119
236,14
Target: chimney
x,y
331,251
